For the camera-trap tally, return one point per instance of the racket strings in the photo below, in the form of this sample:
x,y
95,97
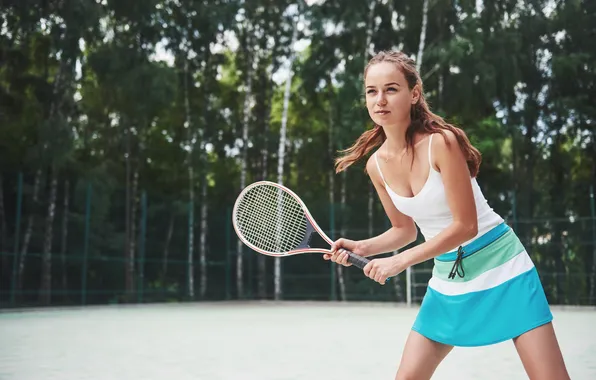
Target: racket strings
x,y
270,224
271,219
267,228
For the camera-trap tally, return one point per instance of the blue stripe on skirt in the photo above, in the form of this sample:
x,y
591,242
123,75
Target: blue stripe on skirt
x,y
485,317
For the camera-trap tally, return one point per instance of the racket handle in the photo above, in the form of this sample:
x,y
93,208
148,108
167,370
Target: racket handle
x,y
357,260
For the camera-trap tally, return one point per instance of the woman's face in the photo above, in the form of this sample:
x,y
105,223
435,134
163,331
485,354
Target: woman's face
x,y
388,97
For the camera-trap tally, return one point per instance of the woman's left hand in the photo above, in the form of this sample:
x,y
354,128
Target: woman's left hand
x,y
381,269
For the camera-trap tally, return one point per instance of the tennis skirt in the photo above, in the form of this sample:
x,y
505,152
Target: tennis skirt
x,y
485,293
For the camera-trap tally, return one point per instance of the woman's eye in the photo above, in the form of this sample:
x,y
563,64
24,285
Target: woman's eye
x,y
393,89
370,91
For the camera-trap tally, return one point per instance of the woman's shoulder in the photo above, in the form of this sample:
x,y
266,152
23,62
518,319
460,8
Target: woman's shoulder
x,y
372,167
444,144
444,137
371,162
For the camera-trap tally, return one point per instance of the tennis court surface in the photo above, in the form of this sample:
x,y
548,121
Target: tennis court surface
x,y
252,340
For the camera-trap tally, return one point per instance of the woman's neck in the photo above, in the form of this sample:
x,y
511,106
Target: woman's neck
x,y
396,139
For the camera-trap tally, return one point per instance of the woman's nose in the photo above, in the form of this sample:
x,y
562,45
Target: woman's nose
x,y
381,100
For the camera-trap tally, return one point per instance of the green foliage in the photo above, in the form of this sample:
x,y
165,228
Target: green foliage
x,y
95,88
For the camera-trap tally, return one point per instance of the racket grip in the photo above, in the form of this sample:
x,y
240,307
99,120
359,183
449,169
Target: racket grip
x,y
357,260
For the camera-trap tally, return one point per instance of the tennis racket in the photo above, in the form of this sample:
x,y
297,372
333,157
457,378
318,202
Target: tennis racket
x,y
272,220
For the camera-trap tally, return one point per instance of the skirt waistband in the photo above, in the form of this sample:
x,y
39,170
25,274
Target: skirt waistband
x,y
477,244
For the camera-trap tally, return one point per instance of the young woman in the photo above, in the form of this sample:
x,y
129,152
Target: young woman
x,y
484,287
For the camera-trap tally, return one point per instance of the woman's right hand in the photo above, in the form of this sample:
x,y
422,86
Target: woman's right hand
x,y
338,254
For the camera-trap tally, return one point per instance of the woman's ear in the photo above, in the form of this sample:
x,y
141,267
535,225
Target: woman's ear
x,y
415,94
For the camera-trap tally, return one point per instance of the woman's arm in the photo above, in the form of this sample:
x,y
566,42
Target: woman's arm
x,y
402,231
390,240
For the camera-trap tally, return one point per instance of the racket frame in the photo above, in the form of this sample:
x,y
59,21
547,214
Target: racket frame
x,y
311,225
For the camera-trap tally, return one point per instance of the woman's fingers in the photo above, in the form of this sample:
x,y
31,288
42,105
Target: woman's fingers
x,y
339,256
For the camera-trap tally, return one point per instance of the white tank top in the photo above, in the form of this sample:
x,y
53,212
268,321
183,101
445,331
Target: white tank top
x,y
429,208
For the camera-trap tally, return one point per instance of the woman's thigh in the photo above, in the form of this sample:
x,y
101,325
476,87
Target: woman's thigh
x,y
421,357
540,354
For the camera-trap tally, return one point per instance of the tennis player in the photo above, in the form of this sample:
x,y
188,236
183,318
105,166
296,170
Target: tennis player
x,y
484,287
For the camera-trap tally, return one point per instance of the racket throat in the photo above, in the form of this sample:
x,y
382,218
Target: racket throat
x,y
305,243
313,239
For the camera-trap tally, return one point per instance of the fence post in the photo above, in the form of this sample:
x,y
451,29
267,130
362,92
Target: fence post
x,y
141,256
16,240
228,252
593,213
250,277
332,265
409,286
190,254
86,246
514,209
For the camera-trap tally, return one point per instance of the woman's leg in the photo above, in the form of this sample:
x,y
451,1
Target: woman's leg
x,y
540,354
420,358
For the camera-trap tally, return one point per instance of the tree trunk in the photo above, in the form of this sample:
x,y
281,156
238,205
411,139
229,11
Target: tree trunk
x,y
46,270
592,300
277,279
422,40
371,205
203,237
244,164
340,273
133,229
29,229
190,280
64,241
128,265
331,153
166,249
261,259
515,173
531,112
208,73
557,197
3,243
370,29
369,34
440,95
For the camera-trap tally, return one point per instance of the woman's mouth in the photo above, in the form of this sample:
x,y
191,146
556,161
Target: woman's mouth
x,y
382,112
